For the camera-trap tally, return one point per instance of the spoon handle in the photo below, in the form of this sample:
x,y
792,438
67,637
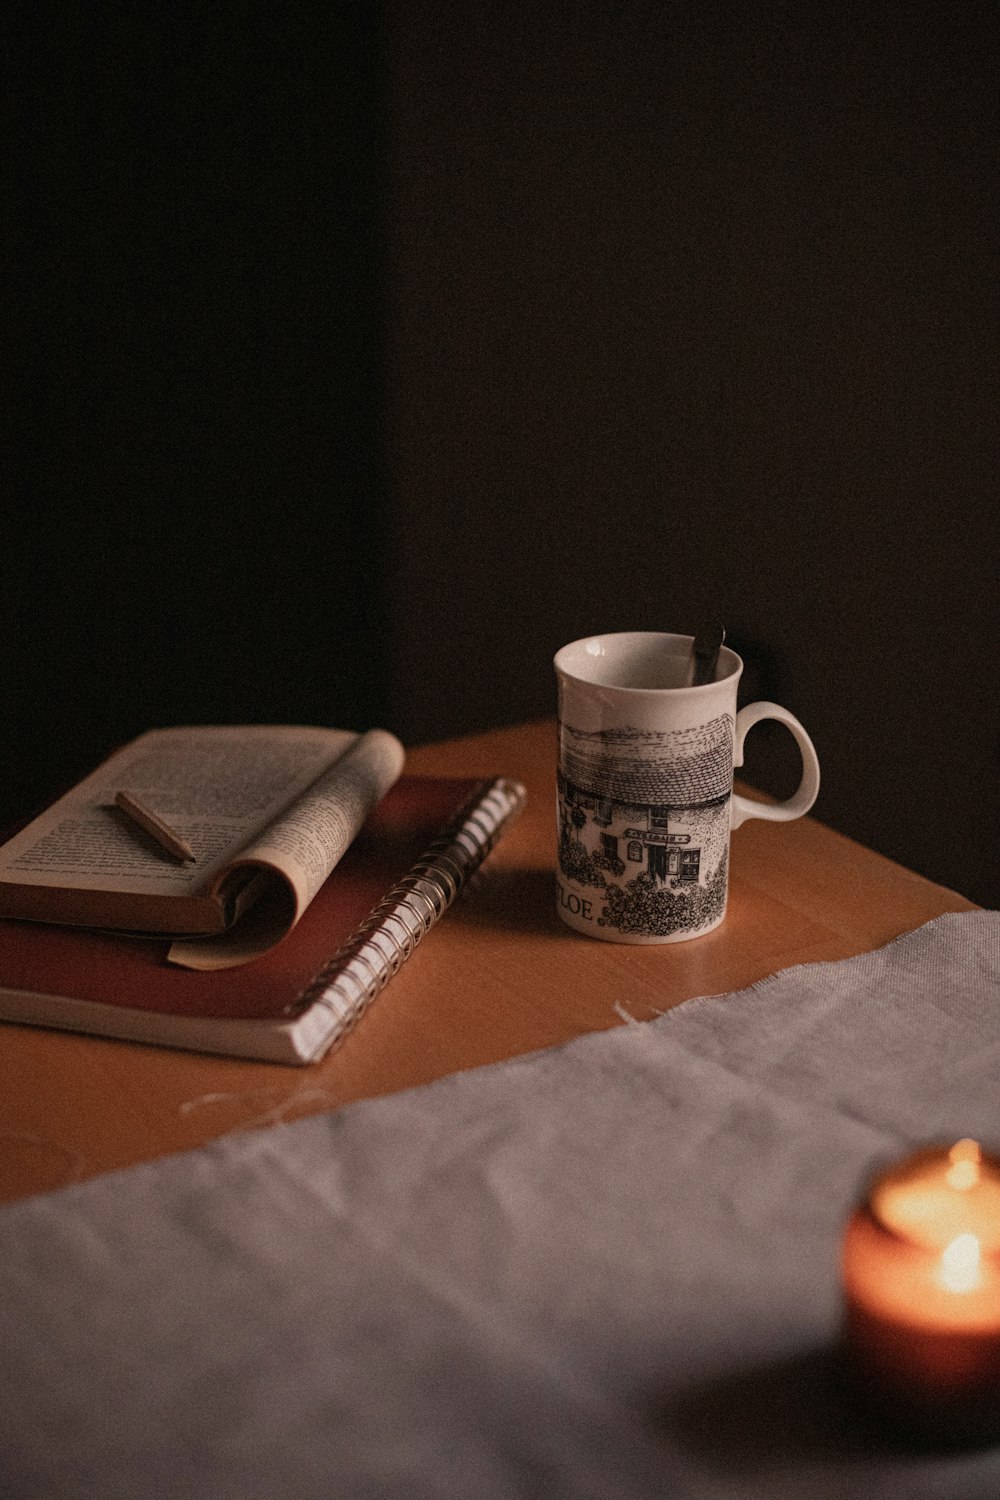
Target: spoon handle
x,y
705,652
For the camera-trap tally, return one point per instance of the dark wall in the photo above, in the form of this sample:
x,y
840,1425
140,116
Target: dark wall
x,y
688,310
693,313
192,508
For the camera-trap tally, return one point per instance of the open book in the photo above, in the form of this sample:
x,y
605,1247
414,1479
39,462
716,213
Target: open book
x,y
418,848
265,811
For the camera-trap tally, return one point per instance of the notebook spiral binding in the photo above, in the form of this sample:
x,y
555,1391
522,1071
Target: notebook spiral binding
x,y
377,950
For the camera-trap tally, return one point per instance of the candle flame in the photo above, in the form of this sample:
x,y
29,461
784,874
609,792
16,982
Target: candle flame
x,y
959,1269
965,1158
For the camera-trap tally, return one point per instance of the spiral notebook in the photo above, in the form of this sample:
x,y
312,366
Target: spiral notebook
x,y
415,853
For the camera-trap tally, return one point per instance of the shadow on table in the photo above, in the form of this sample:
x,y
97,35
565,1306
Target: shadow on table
x,y
519,901
801,1410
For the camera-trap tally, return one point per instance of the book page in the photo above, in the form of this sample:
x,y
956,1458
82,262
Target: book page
x,y
216,786
301,846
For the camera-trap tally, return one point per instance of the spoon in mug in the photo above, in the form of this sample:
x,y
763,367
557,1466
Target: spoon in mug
x,y
705,653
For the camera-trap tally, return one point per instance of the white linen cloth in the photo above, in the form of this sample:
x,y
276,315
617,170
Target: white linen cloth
x,y
604,1270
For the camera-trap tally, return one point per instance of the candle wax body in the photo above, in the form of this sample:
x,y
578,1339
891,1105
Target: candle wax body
x,y
929,1357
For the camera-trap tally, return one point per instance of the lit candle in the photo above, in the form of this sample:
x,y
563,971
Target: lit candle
x,y
921,1279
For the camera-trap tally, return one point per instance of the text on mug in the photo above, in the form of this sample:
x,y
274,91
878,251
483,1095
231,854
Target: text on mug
x,y
578,905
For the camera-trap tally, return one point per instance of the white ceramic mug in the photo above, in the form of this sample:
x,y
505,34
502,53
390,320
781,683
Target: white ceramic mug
x,y
645,786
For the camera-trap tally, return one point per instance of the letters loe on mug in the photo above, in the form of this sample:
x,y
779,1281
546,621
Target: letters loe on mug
x,y
578,905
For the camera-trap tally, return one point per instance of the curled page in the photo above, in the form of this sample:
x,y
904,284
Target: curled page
x,y
279,872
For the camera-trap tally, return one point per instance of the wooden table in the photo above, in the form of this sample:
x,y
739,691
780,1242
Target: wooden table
x,y
500,976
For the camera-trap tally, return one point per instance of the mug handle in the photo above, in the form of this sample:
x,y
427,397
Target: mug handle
x,y
799,804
